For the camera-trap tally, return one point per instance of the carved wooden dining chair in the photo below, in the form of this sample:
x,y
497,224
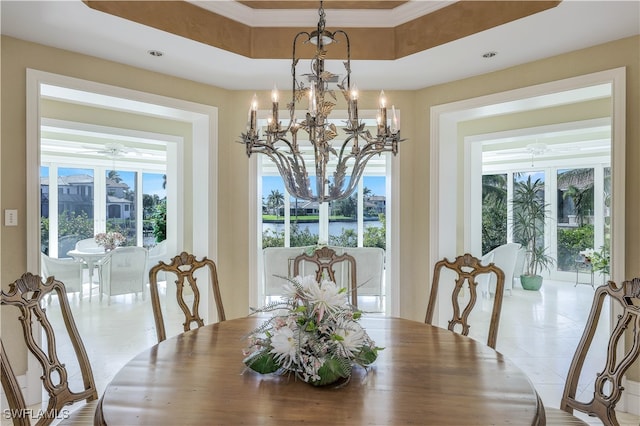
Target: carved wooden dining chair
x,y
15,399
327,263
184,266
467,268
27,294
623,350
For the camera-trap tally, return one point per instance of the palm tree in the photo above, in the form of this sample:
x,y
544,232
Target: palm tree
x,y
494,211
494,188
275,200
114,176
530,213
366,193
582,201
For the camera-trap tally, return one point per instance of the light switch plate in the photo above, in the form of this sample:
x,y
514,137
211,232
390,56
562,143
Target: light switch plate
x,y
10,217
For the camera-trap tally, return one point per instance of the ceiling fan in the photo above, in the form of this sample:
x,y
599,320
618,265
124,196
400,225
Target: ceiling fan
x,y
533,150
111,150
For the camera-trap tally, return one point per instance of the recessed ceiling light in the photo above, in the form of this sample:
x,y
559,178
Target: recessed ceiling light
x,y
155,53
489,54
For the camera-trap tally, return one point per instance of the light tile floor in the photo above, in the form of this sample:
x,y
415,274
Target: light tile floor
x,y
539,331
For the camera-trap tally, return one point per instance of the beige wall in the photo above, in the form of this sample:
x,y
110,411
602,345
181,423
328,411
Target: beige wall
x,y
232,208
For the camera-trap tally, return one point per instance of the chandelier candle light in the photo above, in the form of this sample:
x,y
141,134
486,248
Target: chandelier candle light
x,y
337,168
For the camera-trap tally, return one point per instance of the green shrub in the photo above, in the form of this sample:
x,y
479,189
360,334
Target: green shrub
x,y
159,220
570,242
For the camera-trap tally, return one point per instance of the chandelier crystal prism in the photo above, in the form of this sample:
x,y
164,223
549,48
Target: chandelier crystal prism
x,y
339,165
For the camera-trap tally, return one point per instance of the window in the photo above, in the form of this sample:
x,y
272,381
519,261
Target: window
x,y
573,220
358,221
78,214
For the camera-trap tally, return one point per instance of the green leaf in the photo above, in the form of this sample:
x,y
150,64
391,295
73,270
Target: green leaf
x,y
332,370
262,362
311,326
367,355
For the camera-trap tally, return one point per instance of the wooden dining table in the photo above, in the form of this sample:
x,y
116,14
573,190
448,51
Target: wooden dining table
x,y
424,375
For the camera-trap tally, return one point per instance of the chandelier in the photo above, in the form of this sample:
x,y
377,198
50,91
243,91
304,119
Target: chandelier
x,y
338,167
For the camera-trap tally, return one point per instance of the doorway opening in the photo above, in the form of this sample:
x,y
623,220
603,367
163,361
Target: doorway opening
x,y
192,137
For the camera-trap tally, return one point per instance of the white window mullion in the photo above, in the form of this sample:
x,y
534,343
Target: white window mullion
x,y
139,218
598,207
360,214
323,223
551,231
100,200
53,211
287,219
510,207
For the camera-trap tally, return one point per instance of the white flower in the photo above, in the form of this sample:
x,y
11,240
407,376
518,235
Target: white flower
x,y
285,346
353,337
306,281
587,252
326,297
312,325
289,290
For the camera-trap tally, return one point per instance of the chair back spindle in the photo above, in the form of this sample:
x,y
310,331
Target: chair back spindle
x,y
467,269
325,260
184,266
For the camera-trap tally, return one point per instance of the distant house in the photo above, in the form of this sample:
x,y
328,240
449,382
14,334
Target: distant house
x,y
303,208
76,192
377,203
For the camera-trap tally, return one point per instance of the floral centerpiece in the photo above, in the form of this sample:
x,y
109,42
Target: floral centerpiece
x,y
314,333
110,240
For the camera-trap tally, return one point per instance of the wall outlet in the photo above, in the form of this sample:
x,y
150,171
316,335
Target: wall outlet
x,y
10,217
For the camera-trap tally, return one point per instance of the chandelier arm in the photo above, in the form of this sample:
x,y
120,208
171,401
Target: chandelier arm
x,y
293,171
294,81
356,171
338,191
269,148
348,64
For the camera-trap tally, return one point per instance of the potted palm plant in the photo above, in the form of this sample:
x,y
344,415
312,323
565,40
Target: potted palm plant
x,y
529,217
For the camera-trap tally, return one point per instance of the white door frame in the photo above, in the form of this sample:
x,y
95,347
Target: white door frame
x,y
445,173
445,165
204,124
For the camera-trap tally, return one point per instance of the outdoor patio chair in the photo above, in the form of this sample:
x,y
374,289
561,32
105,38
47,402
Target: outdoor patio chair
x,y
122,271
68,271
505,258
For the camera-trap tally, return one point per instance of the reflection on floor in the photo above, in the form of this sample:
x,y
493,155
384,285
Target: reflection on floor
x,y
539,331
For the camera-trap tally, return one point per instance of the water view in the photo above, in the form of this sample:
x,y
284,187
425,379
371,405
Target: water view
x,y
335,228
